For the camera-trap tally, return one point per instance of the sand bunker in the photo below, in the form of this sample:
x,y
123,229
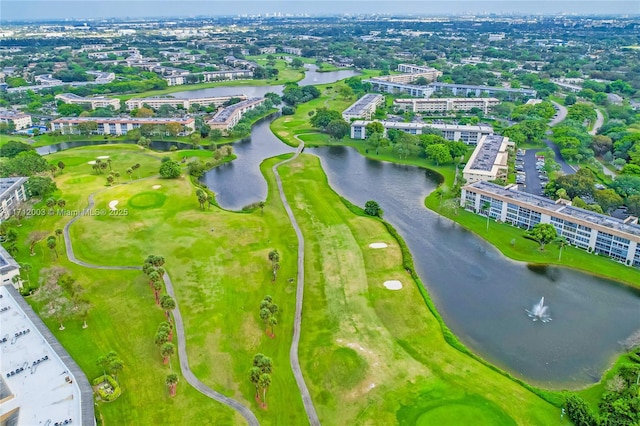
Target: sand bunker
x,y
102,157
378,245
393,285
157,186
92,162
113,204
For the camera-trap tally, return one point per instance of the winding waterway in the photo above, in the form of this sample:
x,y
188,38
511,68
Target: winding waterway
x,y
481,294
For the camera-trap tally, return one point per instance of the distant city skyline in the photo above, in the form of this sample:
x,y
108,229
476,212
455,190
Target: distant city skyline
x,y
12,10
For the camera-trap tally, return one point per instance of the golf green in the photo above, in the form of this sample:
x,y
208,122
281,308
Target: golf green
x,y
147,200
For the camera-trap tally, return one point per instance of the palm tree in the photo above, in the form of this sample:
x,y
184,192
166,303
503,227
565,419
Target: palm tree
x,y
109,163
16,280
110,180
274,257
162,337
53,169
137,167
168,304
264,382
486,206
172,382
157,287
273,321
117,176
58,233
561,241
167,349
261,204
51,243
130,172
51,202
61,203
115,364
202,198
254,377
26,268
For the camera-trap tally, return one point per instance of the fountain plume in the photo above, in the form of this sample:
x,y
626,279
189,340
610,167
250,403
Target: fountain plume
x,y
539,312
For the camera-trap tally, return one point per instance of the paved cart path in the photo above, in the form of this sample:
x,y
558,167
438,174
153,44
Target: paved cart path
x,y
293,353
179,325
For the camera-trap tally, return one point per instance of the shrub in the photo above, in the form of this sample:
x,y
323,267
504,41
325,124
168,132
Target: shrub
x,y
107,387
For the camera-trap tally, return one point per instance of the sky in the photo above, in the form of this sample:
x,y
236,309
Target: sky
x,y
88,9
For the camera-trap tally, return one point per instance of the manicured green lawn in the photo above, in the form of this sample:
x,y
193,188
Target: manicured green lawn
x,y
219,265
369,354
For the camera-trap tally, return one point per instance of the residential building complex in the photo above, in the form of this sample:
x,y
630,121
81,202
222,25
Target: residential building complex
x,y
489,159
363,108
417,69
95,101
292,50
380,85
178,79
9,268
470,90
446,104
18,119
227,118
118,126
40,384
598,233
453,132
186,103
12,193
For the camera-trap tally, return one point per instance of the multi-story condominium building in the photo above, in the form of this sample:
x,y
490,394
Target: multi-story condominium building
x,y
489,159
453,132
597,233
470,90
292,50
227,118
431,74
176,80
267,50
95,101
379,85
410,78
446,104
240,63
157,102
118,126
364,107
9,268
12,193
20,120
47,80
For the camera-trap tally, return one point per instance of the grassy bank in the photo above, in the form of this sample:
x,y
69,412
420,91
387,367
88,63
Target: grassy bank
x,y
376,356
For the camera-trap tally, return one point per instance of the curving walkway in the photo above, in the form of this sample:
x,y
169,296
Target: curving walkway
x,y
179,325
293,353
599,122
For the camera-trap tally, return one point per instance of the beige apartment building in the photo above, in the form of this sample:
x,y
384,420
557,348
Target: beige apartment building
x,y
489,159
446,104
118,126
227,118
363,108
95,101
19,119
186,103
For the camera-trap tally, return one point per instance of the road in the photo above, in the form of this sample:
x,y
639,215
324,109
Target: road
x,y
599,122
562,114
293,353
179,327
532,181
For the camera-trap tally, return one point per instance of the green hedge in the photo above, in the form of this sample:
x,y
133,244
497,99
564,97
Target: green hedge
x,y
103,394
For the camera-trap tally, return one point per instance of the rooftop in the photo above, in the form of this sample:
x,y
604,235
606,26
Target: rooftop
x,y
150,120
469,86
486,152
7,263
9,184
545,203
401,125
38,383
225,114
359,106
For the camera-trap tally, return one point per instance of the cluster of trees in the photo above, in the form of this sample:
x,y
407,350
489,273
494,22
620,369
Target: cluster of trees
x,y
618,405
268,312
203,198
543,110
260,377
62,298
153,269
294,94
170,169
526,131
111,364
330,122
21,160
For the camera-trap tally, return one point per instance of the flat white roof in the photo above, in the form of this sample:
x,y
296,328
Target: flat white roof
x,y
36,379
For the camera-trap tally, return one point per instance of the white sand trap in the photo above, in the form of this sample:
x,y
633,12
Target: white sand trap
x,y
102,157
92,162
378,245
393,285
157,186
113,204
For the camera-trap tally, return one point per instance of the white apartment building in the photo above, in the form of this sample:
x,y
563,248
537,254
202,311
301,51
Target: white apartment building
x,y
470,135
19,119
597,233
446,104
95,101
431,74
292,50
177,80
156,102
380,85
12,193
489,159
363,108
118,126
227,118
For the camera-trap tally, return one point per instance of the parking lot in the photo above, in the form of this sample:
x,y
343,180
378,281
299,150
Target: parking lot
x,y
530,172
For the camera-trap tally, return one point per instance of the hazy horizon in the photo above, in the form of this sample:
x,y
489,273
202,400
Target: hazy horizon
x,y
38,10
